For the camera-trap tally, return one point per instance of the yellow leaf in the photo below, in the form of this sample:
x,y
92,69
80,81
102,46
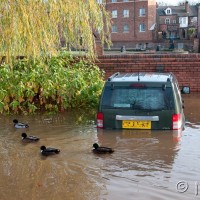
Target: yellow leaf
x,y
6,107
7,99
20,99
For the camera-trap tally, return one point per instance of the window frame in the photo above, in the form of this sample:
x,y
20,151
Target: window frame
x,y
142,12
126,30
125,13
168,11
167,21
114,30
99,1
142,27
183,22
114,13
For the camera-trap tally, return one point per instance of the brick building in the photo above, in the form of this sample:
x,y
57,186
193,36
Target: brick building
x,y
176,22
133,23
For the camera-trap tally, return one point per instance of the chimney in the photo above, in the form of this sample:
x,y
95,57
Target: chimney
x,y
187,7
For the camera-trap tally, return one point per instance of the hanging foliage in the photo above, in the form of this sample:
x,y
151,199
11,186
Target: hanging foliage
x,y
36,28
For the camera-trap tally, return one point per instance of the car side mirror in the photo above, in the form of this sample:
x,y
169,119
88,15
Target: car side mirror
x,y
185,90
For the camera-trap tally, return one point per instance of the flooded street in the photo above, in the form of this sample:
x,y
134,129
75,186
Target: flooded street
x,y
151,165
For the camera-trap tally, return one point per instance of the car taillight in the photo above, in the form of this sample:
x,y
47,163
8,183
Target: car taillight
x,y
99,120
176,121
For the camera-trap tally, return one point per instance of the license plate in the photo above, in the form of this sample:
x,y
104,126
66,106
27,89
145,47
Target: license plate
x,y
136,124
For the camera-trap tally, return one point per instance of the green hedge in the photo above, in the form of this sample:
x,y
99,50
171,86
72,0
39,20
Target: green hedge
x,y
57,84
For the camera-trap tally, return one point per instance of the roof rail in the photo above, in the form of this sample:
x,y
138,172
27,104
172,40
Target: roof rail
x,y
170,76
113,76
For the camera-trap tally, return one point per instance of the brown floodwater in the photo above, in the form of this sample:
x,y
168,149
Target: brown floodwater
x,y
146,165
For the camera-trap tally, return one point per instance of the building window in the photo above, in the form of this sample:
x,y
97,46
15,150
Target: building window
x,y
142,12
99,1
183,20
168,11
114,14
114,1
126,0
126,28
142,28
167,21
174,21
114,29
125,13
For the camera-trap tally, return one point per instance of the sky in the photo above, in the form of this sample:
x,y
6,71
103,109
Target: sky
x,y
175,2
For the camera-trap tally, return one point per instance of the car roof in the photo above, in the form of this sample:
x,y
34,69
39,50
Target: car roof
x,y
140,76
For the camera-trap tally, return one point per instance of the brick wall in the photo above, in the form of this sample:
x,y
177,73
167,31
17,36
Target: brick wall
x,y
151,13
98,47
170,17
186,67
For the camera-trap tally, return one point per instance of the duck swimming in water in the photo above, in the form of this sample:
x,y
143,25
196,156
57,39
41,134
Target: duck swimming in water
x,y
19,124
30,138
49,151
101,150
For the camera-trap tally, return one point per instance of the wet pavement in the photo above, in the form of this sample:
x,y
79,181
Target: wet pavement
x,y
145,164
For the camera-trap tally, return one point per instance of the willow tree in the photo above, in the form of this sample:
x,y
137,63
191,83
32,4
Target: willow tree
x,y
34,28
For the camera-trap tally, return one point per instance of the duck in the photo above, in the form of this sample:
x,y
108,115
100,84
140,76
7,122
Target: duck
x,y
19,124
49,151
101,150
30,138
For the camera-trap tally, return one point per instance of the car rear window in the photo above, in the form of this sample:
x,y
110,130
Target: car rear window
x,y
147,98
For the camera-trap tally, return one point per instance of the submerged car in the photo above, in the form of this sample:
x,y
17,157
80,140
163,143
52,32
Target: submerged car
x,y
141,101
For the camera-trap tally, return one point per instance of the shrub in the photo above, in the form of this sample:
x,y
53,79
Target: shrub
x,y
57,84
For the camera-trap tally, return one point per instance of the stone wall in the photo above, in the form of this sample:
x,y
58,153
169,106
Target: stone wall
x,y
186,67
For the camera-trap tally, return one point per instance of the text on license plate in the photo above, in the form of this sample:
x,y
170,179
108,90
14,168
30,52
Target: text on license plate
x,y
136,124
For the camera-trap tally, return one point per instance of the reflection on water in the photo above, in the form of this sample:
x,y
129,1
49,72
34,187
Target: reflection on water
x,y
192,113
145,164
